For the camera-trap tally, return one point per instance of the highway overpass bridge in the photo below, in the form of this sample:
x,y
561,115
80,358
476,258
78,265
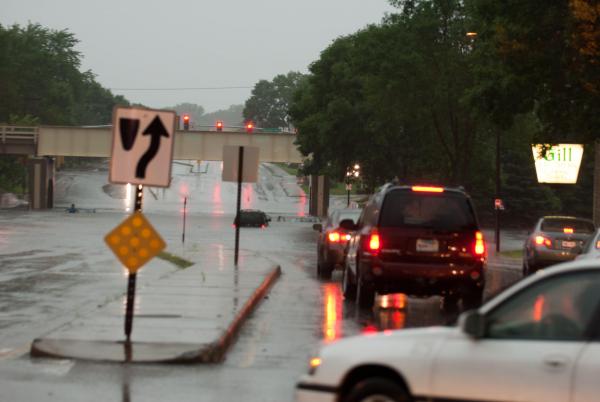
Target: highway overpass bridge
x,y
44,143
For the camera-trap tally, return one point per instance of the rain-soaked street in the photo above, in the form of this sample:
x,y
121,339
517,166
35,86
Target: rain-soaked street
x,y
55,267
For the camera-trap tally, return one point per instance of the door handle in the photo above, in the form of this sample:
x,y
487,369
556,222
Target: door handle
x,y
556,362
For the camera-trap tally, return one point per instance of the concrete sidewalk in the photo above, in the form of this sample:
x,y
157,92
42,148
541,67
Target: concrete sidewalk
x,y
189,316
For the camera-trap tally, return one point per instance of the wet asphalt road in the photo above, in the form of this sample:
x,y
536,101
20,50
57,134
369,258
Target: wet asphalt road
x,y
53,266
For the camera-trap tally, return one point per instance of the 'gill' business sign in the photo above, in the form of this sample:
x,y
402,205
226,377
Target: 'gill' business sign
x,y
560,164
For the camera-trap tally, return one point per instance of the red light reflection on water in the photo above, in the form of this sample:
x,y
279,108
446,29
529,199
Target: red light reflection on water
x,y
332,319
247,196
302,204
217,201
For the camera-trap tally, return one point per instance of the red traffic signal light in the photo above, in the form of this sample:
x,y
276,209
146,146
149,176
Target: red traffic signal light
x,y
186,121
249,127
219,125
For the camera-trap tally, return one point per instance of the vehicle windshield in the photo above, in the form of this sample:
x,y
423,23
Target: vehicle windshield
x,y
445,211
559,225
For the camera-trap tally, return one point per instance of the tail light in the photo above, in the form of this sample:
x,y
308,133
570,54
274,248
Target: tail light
x,y
479,244
374,242
568,230
333,237
541,240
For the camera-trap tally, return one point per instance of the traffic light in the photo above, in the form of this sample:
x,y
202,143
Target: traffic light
x,y
249,127
186,121
219,125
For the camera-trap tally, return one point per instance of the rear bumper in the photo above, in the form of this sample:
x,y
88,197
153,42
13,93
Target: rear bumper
x,y
335,255
422,279
545,257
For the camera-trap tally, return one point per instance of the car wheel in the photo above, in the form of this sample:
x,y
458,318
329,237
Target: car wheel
x,y
365,294
348,286
472,298
377,389
324,270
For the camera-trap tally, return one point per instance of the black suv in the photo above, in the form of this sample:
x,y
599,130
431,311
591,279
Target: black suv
x,y
417,240
252,218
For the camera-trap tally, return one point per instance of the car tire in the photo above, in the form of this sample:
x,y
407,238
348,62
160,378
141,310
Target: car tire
x,y
377,389
472,298
365,293
324,271
348,285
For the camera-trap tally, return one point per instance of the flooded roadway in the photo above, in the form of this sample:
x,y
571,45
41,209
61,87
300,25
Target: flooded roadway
x,y
54,266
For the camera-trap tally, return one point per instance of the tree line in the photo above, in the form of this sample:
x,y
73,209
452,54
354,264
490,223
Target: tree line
x,y
424,95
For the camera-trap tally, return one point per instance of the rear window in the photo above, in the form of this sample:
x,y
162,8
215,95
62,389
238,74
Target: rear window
x,y
559,225
354,215
446,211
252,218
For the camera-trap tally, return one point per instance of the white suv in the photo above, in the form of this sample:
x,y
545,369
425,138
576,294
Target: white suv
x,y
538,341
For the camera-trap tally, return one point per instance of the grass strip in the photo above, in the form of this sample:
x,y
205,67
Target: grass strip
x,y
174,259
511,253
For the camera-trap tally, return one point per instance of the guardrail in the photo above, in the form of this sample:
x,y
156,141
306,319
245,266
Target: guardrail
x,y
19,134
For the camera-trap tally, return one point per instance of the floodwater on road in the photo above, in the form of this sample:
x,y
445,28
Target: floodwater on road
x,y
54,266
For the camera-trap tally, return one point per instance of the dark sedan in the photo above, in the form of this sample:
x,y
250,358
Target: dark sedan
x,y
555,239
333,237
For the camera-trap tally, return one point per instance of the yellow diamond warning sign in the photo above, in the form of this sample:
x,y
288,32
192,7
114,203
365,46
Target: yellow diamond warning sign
x,y
135,241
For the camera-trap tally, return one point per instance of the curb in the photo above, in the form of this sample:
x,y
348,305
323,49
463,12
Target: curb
x,y
219,347
172,353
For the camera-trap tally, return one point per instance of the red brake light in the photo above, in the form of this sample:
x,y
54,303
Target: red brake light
x,y
374,242
333,237
539,240
479,244
186,117
428,189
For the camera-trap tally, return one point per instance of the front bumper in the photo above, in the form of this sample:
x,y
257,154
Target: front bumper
x,y
308,392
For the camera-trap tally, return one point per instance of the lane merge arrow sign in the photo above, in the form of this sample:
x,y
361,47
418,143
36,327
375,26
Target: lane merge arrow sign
x,y
142,147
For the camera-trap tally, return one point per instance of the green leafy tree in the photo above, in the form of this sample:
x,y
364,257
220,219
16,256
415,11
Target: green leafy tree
x,y
268,106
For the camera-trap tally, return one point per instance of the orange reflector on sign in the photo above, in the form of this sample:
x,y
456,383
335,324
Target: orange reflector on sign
x,y
135,242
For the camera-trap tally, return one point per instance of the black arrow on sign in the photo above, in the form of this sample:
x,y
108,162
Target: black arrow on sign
x,y
156,129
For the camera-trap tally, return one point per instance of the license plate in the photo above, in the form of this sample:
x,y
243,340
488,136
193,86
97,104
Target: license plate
x,y
569,244
427,245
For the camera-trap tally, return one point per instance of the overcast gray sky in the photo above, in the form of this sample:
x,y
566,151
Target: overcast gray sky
x,y
192,44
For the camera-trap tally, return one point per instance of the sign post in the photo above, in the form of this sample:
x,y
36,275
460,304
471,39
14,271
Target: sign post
x,y
142,153
240,164
238,218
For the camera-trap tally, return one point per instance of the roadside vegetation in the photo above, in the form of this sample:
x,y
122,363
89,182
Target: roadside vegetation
x,y
424,95
175,259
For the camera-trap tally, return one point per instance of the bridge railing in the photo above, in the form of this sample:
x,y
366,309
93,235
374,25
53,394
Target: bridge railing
x,y
18,133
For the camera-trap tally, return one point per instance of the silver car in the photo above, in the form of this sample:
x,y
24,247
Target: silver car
x,y
555,239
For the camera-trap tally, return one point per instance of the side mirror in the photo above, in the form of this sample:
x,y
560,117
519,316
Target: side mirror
x,y
472,323
348,224
318,227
